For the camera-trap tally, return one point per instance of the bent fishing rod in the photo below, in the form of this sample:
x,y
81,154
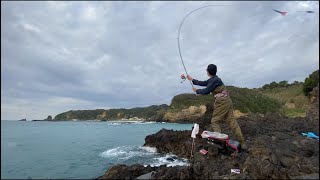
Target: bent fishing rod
x,y
184,18
192,148
212,5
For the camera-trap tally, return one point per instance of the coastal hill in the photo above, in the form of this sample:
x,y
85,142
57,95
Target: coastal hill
x,y
150,113
183,107
277,97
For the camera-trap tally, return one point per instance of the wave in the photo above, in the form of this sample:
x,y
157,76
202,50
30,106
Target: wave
x,y
170,160
149,149
113,152
148,156
127,152
148,122
130,122
115,123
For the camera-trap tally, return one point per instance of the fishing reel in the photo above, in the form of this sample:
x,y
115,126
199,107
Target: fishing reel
x,y
183,77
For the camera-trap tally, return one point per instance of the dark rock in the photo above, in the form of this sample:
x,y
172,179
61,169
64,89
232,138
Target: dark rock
x,y
170,159
213,151
275,152
167,141
122,171
177,172
146,176
307,176
49,118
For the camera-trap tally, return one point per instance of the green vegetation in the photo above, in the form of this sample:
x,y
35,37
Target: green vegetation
x,y
294,102
252,101
244,99
281,97
292,94
295,112
310,82
183,101
280,84
114,114
79,114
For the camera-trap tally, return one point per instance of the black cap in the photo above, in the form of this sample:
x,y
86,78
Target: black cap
x,y
212,69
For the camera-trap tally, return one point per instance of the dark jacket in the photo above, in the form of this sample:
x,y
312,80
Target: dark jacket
x,y
211,84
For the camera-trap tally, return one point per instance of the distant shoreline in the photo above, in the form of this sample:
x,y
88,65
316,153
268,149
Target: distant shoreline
x,y
110,121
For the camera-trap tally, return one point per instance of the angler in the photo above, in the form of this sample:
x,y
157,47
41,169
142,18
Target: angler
x,y
223,107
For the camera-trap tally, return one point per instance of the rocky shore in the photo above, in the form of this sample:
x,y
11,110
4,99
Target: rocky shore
x,y
276,150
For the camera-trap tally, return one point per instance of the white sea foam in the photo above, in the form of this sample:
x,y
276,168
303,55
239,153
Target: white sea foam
x,y
129,122
115,124
127,152
164,160
114,152
149,149
155,159
148,122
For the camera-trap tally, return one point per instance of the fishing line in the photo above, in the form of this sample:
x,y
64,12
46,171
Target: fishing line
x,y
178,39
184,18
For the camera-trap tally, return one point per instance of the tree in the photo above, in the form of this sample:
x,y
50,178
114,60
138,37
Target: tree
x,y
283,83
296,83
273,84
310,82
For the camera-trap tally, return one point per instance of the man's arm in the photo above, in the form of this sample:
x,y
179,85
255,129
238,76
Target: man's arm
x,y
210,87
200,83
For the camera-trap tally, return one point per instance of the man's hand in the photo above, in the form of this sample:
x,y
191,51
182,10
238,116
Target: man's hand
x,y
194,89
189,78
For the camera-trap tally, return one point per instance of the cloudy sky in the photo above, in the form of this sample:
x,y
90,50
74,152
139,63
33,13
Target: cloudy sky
x,y
60,56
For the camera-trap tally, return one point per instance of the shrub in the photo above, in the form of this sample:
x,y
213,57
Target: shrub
x,y
310,82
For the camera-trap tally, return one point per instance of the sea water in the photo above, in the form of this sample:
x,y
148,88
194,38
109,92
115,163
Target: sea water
x,y
80,149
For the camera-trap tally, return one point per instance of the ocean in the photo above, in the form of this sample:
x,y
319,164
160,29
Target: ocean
x,y
79,149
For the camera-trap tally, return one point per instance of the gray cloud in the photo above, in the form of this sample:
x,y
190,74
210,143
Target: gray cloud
x,y
58,56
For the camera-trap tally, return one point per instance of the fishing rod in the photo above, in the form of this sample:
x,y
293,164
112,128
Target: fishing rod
x,y
179,30
183,77
212,5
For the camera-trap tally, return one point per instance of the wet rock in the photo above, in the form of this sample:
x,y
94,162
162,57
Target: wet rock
x,y
170,159
166,141
122,171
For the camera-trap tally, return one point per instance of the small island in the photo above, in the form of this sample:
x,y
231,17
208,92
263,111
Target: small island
x,y
49,118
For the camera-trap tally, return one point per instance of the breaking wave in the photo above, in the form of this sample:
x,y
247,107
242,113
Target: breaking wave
x,y
144,155
127,152
170,160
129,122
